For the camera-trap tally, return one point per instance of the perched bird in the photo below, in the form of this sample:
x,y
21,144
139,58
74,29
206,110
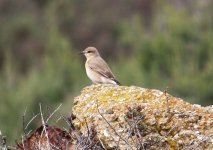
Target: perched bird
x,y
97,69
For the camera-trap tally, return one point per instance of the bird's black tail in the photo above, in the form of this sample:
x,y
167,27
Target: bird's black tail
x,y
118,83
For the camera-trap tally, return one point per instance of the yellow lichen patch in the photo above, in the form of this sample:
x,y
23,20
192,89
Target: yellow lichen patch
x,y
134,117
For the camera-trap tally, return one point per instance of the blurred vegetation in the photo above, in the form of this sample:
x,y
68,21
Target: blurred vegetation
x,y
152,44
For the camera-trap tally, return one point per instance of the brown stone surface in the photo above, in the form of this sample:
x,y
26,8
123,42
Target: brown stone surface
x,y
134,118
57,139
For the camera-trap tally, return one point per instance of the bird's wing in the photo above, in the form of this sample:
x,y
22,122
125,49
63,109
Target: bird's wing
x,y
100,66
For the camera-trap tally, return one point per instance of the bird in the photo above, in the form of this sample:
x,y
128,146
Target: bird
x,y
97,69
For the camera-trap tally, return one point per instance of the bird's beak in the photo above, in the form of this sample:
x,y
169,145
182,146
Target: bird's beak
x,y
81,52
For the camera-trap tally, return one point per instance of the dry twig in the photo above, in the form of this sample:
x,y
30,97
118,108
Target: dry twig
x,y
113,128
53,113
44,128
167,99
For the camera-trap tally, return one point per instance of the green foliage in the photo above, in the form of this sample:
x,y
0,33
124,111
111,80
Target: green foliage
x,y
39,46
49,84
177,53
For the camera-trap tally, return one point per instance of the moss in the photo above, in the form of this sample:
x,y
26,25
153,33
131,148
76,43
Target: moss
x,y
137,117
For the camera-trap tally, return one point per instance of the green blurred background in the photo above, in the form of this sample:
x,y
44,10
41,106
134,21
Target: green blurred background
x,y
147,43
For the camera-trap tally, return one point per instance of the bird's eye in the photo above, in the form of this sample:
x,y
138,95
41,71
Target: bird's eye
x,y
88,51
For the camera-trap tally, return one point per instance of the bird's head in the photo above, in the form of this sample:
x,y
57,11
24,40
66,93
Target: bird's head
x,y
90,52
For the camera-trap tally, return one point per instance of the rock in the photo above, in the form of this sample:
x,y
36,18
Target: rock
x,y
53,138
57,139
134,118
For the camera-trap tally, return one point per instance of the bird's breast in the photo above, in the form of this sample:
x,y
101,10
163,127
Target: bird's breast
x,y
92,75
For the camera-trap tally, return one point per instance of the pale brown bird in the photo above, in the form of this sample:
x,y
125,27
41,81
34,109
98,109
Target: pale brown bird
x,y
97,69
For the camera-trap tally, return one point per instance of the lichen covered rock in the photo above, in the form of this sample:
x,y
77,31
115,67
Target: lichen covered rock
x,y
134,118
